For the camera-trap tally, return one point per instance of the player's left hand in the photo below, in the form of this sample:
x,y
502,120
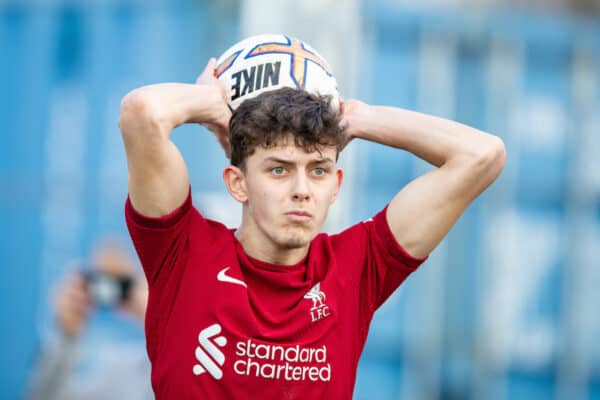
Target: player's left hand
x,y
353,113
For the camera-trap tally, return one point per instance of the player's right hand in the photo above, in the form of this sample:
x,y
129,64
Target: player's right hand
x,y
72,305
220,124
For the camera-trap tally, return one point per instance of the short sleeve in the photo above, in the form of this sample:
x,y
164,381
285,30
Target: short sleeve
x,y
374,262
388,264
159,241
163,247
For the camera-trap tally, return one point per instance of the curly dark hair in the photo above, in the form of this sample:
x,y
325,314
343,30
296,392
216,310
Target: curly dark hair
x,y
267,118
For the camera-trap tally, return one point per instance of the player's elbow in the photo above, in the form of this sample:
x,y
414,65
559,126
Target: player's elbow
x,y
136,114
492,158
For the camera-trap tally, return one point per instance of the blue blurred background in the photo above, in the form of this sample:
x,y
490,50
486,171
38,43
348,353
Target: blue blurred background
x,y
506,308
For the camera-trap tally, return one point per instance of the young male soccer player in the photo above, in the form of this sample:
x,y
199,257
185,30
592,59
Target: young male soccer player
x,y
274,309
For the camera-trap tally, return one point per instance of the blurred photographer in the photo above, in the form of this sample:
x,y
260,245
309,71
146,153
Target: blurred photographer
x,y
97,350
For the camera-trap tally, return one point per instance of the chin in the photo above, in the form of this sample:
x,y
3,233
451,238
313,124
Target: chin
x,y
294,243
295,240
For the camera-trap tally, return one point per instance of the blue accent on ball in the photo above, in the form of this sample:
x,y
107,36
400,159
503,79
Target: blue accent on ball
x,y
291,54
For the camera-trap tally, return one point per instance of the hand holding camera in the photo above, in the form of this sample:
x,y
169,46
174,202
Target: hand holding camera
x,y
108,283
72,304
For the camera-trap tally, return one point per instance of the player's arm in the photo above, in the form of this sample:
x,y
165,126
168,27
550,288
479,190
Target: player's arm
x,y
468,161
158,176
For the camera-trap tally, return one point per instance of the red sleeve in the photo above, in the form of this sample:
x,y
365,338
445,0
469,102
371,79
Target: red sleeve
x,y
388,263
162,245
159,242
373,261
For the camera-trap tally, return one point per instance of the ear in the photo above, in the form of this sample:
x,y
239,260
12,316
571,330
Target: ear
x,y
339,174
236,183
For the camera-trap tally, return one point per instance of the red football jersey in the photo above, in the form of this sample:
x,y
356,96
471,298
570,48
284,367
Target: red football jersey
x,y
222,325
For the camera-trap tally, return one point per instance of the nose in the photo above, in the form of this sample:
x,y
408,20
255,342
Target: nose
x,y
301,191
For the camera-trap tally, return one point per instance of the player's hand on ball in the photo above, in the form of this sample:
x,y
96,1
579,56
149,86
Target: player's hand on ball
x,y
353,112
219,123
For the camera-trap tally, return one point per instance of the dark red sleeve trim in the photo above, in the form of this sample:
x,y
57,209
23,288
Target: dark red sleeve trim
x,y
385,234
166,221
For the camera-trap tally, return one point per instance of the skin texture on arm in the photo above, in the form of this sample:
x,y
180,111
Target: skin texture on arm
x,y
468,161
158,176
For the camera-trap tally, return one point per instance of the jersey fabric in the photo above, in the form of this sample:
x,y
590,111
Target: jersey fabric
x,y
222,325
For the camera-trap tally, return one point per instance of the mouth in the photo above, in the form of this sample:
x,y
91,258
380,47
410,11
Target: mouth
x,y
299,215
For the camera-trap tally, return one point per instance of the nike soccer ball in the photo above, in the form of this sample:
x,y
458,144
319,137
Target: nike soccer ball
x,y
266,62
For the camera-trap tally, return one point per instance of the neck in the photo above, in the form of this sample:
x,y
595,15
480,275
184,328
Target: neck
x,y
262,248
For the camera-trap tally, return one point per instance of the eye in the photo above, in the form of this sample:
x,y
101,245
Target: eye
x,y
319,171
278,170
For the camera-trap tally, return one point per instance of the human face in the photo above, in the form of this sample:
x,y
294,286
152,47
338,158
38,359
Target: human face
x,y
289,192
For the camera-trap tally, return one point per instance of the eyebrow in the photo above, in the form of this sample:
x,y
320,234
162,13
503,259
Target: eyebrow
x,y
289,162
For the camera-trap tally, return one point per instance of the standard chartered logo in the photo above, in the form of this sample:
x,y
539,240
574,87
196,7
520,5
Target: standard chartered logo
x,y
292,363
261,360
206,363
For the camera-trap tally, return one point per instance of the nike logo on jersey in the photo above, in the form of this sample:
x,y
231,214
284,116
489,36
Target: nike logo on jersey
x,y
223,277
